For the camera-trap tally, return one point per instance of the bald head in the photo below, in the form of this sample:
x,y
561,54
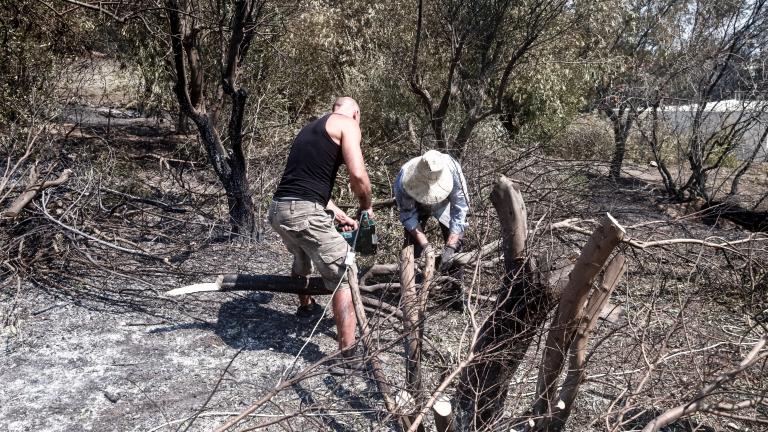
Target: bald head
x,y
347,106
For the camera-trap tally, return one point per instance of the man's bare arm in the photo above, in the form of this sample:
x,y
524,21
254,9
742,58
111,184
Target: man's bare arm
x,y
419,237
353,158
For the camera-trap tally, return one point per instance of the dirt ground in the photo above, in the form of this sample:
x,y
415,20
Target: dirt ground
x,y
72,364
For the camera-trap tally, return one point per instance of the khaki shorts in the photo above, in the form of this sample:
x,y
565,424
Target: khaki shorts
x,y
309,234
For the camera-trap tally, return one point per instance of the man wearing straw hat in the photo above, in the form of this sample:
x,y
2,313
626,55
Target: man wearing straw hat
x,y
434,185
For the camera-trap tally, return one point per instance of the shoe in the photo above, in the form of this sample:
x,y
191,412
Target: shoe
x,y
309,311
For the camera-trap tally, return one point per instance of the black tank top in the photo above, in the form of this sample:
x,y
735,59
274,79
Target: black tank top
x,y
312,165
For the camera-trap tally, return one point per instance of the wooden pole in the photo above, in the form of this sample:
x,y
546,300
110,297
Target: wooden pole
x,y
365,331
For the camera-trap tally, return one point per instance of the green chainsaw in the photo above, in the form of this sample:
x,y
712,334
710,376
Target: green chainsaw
x,y
364,239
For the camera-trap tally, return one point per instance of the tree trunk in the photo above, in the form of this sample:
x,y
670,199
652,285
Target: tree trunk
x,y
462,137
657,149
230,165
504,338
562,331
578,356
240,202
621,126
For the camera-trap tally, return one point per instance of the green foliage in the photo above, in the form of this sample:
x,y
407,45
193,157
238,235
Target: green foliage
x,y
722,150
35,49
588,137
544,97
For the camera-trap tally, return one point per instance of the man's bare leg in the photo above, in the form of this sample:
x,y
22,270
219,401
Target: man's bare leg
x,y
302,267
344,315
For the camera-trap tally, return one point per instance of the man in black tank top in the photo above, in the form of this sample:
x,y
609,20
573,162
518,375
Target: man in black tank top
x,y
303,214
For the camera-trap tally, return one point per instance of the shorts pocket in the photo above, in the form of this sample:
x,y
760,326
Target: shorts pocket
x,y
333,250
294,226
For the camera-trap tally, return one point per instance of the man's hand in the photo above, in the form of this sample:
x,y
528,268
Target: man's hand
x,y
447,257
345,222
369,210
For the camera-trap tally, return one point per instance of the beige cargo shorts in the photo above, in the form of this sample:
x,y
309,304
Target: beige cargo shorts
x,y
308,232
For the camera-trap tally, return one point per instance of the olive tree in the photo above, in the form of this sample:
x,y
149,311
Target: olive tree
x,y
465,55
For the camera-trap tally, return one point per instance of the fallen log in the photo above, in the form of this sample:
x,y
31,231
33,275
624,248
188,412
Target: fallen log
x,y
268,283
281,284
284,284
33,189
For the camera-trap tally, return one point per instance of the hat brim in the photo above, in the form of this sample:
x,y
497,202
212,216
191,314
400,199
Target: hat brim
x,y
421,189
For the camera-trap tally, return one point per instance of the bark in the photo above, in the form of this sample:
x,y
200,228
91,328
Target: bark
x,y
272,283
622,123
563,328
521,307
409,303
182,123
577,357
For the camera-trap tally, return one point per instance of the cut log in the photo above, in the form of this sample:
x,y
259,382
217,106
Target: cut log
x,y
281,284
443,414
284,284
267,283
566,322
377,270
405,403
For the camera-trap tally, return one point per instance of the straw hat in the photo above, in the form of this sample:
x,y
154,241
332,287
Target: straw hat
x,y
427,178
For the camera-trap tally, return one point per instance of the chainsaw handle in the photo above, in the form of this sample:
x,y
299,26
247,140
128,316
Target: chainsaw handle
x,y
364,217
